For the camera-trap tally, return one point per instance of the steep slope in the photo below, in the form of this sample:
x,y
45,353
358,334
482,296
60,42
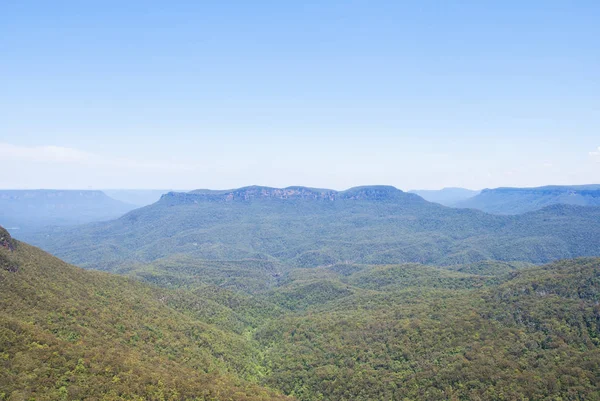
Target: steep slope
x,y
31,209
445,196
303,227
521,200
67,333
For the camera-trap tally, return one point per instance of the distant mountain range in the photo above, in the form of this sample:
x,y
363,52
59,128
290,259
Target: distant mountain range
x,y
521,200
445,196
31,209
305,227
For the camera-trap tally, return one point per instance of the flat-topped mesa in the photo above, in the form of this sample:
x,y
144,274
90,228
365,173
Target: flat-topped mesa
x,y
258,192
371,192
6,240
376,192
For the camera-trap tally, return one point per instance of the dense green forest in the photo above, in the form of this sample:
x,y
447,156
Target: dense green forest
x,y
533,337
70,334
254,330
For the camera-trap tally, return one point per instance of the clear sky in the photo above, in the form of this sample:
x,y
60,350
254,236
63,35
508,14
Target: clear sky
x,y
221,94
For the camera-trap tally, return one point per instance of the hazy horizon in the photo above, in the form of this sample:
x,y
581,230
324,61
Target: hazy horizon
x,y
281,187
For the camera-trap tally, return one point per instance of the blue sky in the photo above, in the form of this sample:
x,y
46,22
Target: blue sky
x,y
221,94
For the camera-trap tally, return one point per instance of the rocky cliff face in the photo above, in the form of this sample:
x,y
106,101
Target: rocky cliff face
x,y
7,246
6,240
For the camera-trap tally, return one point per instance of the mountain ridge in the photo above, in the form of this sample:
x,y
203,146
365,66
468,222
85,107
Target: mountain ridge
x,y
509,200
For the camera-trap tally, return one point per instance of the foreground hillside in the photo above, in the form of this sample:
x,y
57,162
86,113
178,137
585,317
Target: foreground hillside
x,y
69,334
303,227
522,200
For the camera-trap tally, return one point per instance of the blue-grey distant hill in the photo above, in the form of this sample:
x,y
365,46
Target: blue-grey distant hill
x,y
137,197
445,196
26,210
521,200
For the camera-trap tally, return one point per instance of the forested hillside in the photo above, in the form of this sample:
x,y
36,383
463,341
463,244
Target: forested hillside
x,y
71,334
534,337
303,227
